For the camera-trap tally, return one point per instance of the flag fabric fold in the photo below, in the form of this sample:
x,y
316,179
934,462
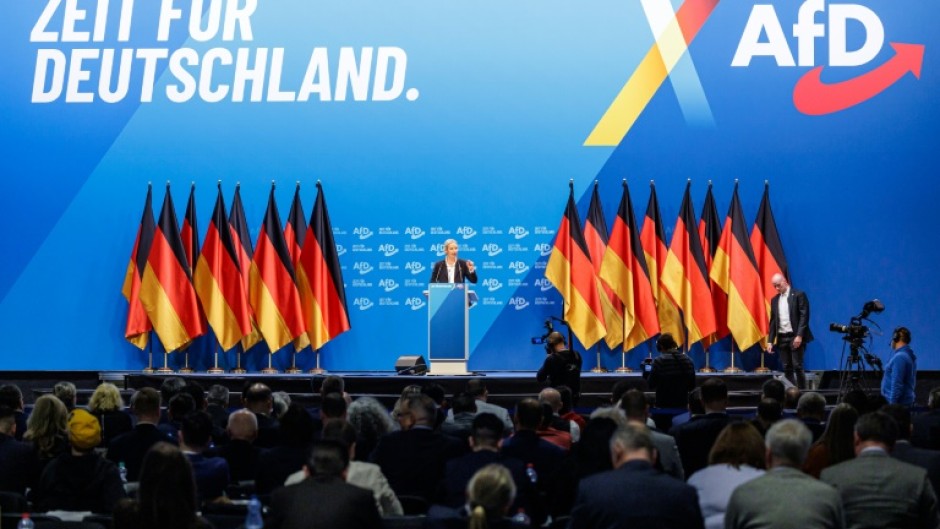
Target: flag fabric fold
x,y
218,282
709,230
320,279
272,289
569,269
138,327
166,290
241,239
596,237
653,241
624,268
685,276
189,232
735,271
768,250
294,232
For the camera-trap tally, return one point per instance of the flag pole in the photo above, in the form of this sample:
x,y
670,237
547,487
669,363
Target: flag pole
x,y
215,370
708,368
762,368
149,369
186,368
166,368
293,369
317,370
731,368
599,368
270,370
239,370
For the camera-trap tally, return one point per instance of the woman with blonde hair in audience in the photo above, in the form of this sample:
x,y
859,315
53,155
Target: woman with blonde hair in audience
x,y
837,443
46,430
490,493
107,405
736,457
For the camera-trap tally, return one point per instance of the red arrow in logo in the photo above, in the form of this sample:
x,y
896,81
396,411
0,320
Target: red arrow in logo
x,y
813,97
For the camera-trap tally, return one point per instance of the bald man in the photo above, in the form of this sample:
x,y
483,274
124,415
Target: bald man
x,y
789,328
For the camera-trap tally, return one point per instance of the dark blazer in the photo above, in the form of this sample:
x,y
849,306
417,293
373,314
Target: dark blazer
x,y
928,460
269,431
132,446
242,457
413,460
461,274
799,315
79,483
113,423
212,476
323,503
696,437
457,474
611,500
926,432
275,464
16,464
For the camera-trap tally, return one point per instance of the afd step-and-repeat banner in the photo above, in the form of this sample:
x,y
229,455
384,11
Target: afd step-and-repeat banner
x,y
427,121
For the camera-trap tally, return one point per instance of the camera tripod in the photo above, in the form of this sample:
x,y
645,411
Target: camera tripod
x,y
853,374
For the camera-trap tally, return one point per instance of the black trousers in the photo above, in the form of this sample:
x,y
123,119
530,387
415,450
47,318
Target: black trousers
x,y
792,358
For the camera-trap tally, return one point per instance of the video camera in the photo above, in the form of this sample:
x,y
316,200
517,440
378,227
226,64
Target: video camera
x,y
855,333
549,328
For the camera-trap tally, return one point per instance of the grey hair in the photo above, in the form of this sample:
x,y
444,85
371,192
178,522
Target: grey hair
x,y
788,441
281,402
369,417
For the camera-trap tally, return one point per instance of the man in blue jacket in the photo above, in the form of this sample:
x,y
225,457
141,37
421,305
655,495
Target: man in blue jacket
x,y
901,372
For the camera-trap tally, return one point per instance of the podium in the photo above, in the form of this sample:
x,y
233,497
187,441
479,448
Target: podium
x,y
449,327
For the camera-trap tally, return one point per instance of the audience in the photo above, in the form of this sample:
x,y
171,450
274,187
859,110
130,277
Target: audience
x,y
47,430
131,447
696,437
490,494
926,432
811,409
567,407
477,388
791,400
928,460
12,397
769,411
552,397
462,412
288,456
67,393
636,408
217,401
15,456
179,406
774,389
257,398
107,405
371,421
836,444
211,473
240,451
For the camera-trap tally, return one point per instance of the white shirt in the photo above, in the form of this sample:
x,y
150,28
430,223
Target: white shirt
x,y
451,269
783,309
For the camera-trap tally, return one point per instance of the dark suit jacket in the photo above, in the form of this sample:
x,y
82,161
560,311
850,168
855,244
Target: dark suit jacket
x,y
696,437
928,460
113,423
926,432
212,476
242,457
269,431
413,460
799,315
461,274
457,474
16,464
611,500
132,446
323,503
275,464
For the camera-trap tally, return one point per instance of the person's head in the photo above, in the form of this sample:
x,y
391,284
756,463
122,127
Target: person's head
x,y
787,444
933,400
145,404
811,405
635,406
902,417
486,432
773,389
170,387
714,395
11,397
369,418
839,434
167,492
328,459
436,391
84,430
106,398
769,411
567,399
417,410
552,397
341,431
490,492
218,395
528,414
7,421
242,426
66,392
696,406
180,405
328,384
738,444
296,426
593,450
46,424
257,397
858,399
555,341
451,249
875,429
619,388
629,443
780,283
477,388
464,403
197,392
900,337
666,343
195,431
333,406
791,397
280,400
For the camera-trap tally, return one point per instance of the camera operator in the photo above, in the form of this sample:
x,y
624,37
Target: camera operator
x,y
901,372
562,366
671,375
789,328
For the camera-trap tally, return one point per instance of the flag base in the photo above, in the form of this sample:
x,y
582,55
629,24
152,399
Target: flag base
x,y
165,371
269,371
732,369
186,370
598,369
149,370
762,370
707,369
317,371
215,371
238,371
293,370
623,369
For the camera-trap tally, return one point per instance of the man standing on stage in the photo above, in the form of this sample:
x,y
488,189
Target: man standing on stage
x,y
789,328
901,372
562,366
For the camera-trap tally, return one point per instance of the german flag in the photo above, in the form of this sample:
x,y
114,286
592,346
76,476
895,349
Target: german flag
x,y
272,289
709,230
241,239
166,288
137,330
595,234
218,282
624,269
685,276
768,250
735,271
320,279
189,233
570,270
653,240
294,232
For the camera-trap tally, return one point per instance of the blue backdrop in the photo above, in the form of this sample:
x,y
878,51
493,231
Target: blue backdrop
x,y
427,121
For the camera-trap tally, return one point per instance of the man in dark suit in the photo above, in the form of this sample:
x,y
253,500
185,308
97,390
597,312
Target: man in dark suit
x,y
257,398
696,437
413,458
131,447
12,397
610,500
928,460
240,452
451,269
877,490
15,456
926,432
324,499
211,473
789,328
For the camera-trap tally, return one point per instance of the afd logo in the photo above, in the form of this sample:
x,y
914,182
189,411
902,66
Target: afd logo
x,y
764,36
543,248
388,249
415,267
438,248
518,232
362,232
388,284
363,303
415,303
518,267
492,249
340,250
466,232
518,303
414,232
492,284
363,267
544,284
